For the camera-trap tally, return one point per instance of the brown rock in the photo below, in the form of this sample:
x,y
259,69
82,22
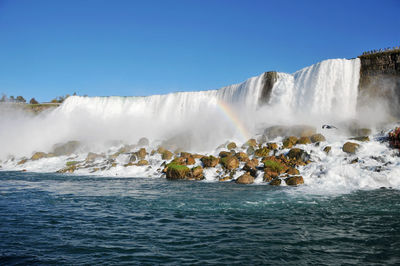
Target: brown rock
x,y
209,161
317,138
294,180
251,143
223,154
362,138
142,163
272,146
245,179
230,162
350,147
242,156
231,146
304,140
293,171
38,155
275,182
175,171
142,153
197,173
166,155
289,142
298,154
262,152
327,149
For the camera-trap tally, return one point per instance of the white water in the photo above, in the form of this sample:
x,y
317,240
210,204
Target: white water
x,y
320,94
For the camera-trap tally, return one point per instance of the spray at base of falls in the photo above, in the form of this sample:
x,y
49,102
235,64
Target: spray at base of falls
x,y
325,93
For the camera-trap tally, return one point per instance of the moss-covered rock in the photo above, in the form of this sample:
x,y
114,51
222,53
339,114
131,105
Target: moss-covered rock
x,y
272,146
70,163
231,146
209,161
242,156
298,154
176,171
317,138
38,155
294,180
262,152
350,147
197,173
289,142
229,162
304,140
246,178
274,165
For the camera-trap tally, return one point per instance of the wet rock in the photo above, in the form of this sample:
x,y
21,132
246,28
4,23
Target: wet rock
x,y
166,155
298,154
350,147
176,171
143,142
304,140
327,149
71,163
66,148
275,182
294,180
289,142
245,179
22,161
231,146
229,162
262,152
362,138
250,151
132,158
197,173
188,158
225,178
317,138
209,161
38,155
272,146
141,154
251,167
92,157
223,154
274,165
293,171
242,156
250,143
142,163
68,169
269,175
354,161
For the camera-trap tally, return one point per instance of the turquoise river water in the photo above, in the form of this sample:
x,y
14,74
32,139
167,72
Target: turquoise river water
x,y
74,220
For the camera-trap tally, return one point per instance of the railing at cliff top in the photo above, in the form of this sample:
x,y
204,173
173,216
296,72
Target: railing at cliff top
x,y
389,49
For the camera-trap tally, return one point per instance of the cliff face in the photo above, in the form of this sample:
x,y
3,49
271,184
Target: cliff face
x,y
268,82
380,80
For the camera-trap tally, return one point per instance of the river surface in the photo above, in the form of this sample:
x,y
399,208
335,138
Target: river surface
x,y
74,220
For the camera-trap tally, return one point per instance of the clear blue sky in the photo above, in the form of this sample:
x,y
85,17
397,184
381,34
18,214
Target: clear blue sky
x,y
131,48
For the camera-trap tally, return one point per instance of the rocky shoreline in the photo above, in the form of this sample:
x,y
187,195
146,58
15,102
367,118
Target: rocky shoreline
x,y
275,163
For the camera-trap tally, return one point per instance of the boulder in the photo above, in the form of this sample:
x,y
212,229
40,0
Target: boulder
x,y
304,140
272,146
143,142
361,138
298,154
327,149
289,142
242,156
250,151
262,152
132,158
274,165
38,155
223,154
275,182
176,171
294,180
317,138
251,167
231,146
161,150
142,163
141,154
197,173
229,162
245,179
250,143
22,161
166,155
293,171
209,161
68,169
66,148
269,175
350,147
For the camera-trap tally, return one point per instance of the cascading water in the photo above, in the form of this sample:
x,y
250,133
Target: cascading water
x,y
200,121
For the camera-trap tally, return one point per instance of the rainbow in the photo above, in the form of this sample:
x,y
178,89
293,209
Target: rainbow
x,y
232,116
